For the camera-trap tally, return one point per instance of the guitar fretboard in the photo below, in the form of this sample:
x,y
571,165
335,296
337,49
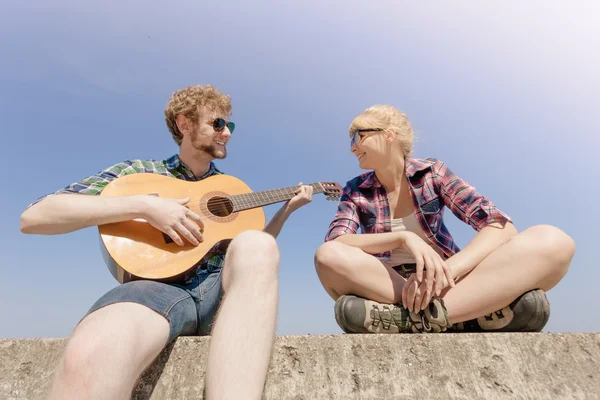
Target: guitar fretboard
x,y
259,199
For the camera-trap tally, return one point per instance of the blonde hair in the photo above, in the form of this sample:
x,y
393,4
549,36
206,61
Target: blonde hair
x,y
386,117
188,101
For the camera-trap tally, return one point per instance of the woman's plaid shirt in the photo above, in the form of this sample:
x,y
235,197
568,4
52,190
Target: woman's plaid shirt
x,y
364,204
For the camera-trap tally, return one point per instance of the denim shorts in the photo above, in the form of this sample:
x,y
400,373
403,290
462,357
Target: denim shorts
x,y
190,307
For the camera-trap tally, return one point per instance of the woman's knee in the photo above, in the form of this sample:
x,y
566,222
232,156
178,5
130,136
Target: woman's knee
x,y
552,242
331,257
554,247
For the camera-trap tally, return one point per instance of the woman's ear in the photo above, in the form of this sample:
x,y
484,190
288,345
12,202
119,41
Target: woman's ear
x,y
389,136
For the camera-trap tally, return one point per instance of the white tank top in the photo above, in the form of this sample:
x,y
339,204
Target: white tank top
x,y
401,255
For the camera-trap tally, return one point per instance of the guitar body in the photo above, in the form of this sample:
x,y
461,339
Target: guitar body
x,y
136,250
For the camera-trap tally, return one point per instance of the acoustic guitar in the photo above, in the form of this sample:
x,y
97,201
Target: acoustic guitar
x,y
135,250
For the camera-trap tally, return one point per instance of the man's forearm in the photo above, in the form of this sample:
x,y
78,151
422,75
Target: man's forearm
x,y
276,223
374,243
65,213
483,244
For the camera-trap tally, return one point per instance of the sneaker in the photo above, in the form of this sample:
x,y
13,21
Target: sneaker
x,y
358,315
528,313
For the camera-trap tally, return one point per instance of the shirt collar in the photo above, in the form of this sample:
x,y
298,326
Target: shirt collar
x,y
412,166
369,180
175,163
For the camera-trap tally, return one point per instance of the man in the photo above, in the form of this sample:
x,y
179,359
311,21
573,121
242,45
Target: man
x,y
129,326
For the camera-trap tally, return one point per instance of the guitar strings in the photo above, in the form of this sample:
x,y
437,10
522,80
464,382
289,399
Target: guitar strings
x,y
251,199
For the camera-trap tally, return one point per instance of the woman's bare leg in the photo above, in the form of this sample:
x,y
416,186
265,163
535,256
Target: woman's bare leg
x,y
536,258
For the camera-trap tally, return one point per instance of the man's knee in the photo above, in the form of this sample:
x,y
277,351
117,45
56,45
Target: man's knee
x,y
118,325
251,251
82,350
254,242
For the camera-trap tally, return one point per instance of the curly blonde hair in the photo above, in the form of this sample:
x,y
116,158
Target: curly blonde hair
x,y
388,118
188,102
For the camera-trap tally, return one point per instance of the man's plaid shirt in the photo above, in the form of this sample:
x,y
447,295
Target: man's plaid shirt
x,y
172,167
364,204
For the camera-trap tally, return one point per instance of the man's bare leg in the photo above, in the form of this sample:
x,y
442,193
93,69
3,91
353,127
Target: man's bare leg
x,y
108,351
244,331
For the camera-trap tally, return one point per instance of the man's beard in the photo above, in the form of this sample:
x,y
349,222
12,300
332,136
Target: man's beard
x,y
212,150
209,149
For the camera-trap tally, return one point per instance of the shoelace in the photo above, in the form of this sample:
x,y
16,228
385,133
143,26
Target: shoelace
x,y
405,322
385,316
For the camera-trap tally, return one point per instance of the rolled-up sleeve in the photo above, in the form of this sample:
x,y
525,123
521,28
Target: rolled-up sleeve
x,y
346,218
93,185
464,201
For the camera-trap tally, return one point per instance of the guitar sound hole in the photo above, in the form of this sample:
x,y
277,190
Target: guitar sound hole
x,y
220,206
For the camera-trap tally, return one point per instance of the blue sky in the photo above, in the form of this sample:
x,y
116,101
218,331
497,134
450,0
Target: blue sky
x,y
506,94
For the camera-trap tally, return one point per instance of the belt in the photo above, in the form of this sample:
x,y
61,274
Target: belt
x,y
408,268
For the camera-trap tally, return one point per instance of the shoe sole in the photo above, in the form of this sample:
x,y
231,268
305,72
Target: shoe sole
x,y
533,300
524,320
339,316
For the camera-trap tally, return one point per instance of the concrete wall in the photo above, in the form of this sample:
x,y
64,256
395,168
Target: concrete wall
x,y
457,366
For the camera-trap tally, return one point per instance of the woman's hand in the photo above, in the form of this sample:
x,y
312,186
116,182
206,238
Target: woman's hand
x,y
415,295
428,261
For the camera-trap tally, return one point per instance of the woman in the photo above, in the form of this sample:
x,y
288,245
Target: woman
x,y
405,273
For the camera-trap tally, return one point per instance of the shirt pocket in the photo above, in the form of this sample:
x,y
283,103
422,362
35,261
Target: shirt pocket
x,y
432,212
368,219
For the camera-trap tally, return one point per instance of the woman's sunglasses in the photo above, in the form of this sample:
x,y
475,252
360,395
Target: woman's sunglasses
x,y
356,139
219,124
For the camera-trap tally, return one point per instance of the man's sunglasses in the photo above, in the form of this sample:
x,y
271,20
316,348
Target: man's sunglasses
x,y
355,140
219,124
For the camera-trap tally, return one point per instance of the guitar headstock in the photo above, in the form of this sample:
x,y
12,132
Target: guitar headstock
x,y
332,190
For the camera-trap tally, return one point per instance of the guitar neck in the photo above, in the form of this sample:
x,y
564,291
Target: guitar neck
x,y
247,201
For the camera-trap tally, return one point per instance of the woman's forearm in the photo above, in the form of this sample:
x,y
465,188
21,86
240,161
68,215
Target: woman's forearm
x,y
374,243
483,244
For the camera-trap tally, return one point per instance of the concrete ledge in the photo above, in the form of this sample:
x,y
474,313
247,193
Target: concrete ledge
x,y
442,366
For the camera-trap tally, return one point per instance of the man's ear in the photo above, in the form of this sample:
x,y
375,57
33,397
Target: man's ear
x,y
182,123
